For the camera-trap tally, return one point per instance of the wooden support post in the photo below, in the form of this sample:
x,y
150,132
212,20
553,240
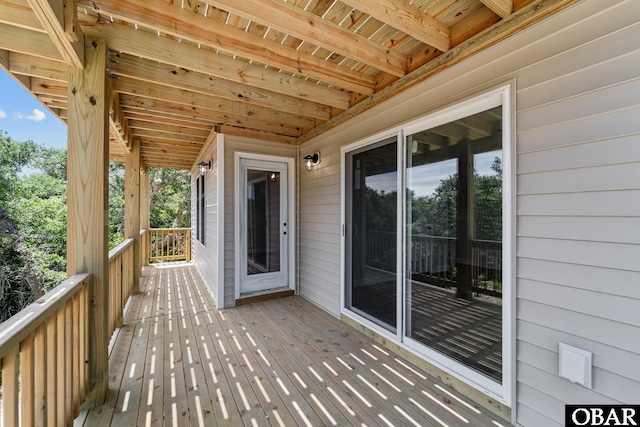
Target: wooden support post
x,y
145,207
87,177
132,207
464,220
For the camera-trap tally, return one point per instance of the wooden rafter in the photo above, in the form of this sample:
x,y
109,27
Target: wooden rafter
x,y
502,8
273,70
178,22
306,26
25,41
405,17
58,18
180,78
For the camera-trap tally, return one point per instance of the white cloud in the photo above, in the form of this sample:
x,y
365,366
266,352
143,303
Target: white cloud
x,y
37,116
2,114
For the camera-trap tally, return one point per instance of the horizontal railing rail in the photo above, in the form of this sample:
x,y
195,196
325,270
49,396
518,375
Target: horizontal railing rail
x,y
169,244
433,260
44,353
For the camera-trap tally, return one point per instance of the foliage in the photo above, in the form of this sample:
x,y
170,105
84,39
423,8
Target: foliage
x,y
170,192
32,223
116,204
435,214
33,216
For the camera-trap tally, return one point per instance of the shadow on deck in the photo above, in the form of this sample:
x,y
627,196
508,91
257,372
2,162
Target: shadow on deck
x,y
178,361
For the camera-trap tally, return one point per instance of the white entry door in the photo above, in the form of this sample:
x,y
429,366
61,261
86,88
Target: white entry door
x,y
264,224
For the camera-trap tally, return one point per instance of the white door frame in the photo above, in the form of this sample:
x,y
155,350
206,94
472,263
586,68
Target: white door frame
x,y
290,220
501,95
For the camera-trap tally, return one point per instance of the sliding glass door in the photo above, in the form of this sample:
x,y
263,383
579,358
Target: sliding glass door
x,y
424,261
371,224
453,287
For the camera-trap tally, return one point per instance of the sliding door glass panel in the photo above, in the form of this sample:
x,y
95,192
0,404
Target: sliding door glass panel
x,y
371,228
263,222
454,241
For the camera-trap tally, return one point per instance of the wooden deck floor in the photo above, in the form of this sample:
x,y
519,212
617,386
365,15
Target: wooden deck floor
x,y
178,361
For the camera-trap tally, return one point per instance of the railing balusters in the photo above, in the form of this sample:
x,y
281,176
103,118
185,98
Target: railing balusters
x,y
169,244
433,259
10,390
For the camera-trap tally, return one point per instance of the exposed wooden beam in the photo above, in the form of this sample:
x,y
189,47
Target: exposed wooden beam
x,y
515,22
18,13
178,22
168,128
407,18
502,8
181,78
166,106
310,27
225,111
115,132
57,18
29,42
256,134
153,135
5,63
27,65
153,119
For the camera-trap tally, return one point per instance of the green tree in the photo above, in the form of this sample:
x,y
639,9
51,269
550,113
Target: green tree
x,y
170,198
32,223
116,204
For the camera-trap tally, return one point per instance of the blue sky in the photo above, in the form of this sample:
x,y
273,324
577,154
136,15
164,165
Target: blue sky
x,y
24,118
424,179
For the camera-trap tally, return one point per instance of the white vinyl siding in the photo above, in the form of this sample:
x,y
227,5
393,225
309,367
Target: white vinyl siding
x,y
577,80
204,255
320,229
246,145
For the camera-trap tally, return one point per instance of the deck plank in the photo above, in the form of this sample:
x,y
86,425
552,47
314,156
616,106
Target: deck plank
x,y
177,361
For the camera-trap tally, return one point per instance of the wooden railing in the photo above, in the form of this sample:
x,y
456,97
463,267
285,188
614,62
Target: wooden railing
x,y
169,244
43,350
486,269
120,282
433,260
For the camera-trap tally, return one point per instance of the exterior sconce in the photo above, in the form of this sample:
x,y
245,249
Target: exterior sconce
x,y
203,167
311,160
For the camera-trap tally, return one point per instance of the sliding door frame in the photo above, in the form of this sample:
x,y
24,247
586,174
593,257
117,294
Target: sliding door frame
x,y
499,96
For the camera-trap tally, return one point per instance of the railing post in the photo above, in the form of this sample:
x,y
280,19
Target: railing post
x,y
188,244
132,208
87,190
144,209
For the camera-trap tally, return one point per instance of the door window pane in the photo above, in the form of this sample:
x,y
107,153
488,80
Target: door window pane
x,y
263,222
454,240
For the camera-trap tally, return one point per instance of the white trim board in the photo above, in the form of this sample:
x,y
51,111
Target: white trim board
x,y
291,231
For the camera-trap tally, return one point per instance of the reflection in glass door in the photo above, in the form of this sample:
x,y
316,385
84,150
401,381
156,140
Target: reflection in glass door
x,y
454,241
371,225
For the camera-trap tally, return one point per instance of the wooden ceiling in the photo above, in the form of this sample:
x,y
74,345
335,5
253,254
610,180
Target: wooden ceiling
x,y
183,70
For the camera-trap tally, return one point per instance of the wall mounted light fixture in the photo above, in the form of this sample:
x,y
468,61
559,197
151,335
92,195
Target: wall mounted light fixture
x,y
311,160
203,167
